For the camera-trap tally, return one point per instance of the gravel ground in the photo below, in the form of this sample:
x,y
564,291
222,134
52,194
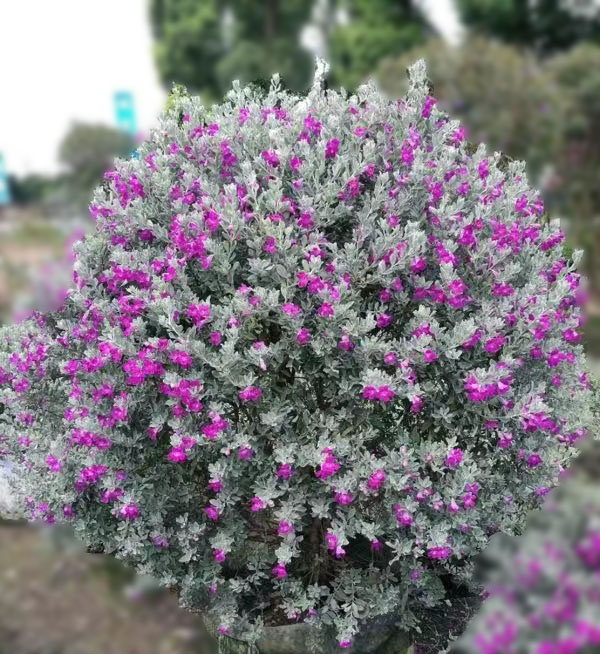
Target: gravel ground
x,y
60,600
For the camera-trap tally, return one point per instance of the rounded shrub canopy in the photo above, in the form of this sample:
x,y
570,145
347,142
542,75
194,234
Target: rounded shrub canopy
x,y
317,351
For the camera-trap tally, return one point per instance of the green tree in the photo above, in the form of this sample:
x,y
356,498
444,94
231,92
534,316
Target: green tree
x,y
32,189
546,25
204,45
574,191
88,151
370,31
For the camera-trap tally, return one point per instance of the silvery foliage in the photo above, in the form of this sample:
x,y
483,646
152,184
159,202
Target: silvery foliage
x,y
313,393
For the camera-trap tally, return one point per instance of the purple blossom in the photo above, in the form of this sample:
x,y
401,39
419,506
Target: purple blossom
x,y
279,571
325,310
377,479
331,148
328,467
439,553
285,471
256,504
494,344
177,455
250,394
291,309
285,527
343,497
454,458
429,355
212,512
130,511
270,158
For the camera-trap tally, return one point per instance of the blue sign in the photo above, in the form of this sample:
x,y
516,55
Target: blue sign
x,y
4,189
125,112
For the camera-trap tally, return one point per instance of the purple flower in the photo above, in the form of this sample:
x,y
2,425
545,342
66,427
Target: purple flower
x,y
256,504
245,452
291,309
331,148
403,516
439,553
279,571
503,290
53,463
343,497
416,404
303,336
270,158
270,245
112,495
250,394
454,459
285,471
129,511
430,355
418,265
160,541
328,467
199,313
384,320
325,310
285,527
469,500
212,512
493,345
215,485
427,106
345,343
177,455
332,540
377,479
181,357
572,336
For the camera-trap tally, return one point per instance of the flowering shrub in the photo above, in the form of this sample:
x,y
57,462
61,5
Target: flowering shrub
x,y
317,351
543,596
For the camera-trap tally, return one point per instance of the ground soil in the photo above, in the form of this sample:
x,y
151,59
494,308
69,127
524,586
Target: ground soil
x,y
60,600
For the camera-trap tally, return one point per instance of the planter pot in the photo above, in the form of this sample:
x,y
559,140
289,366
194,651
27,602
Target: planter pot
x,y
379,636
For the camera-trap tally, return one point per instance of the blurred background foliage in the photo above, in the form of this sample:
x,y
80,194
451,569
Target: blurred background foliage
x,y
204,45
86,152
544,25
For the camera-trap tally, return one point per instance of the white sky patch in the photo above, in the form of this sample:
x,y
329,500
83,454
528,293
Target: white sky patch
x,y
63,60
443,16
